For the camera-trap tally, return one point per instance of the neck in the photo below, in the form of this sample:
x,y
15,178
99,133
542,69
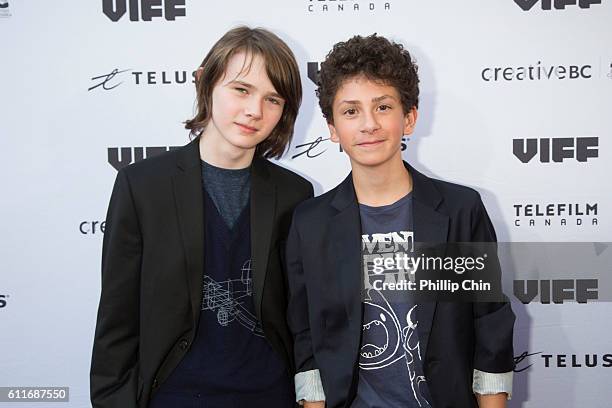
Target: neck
x,y
215,150
383,184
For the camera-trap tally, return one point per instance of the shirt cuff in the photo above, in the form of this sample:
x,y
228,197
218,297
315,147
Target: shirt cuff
x,y
308,386
492,383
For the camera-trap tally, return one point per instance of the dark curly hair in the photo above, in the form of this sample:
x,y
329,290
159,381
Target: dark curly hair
x,y
374,57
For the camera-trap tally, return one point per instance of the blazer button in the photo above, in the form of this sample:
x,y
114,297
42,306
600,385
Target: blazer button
x,y
183,344
155,383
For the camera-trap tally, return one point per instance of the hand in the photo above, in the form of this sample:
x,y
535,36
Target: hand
x,y
492,400
316,404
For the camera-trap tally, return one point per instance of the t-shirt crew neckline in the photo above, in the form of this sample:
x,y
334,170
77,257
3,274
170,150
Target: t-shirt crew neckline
x,y
389,207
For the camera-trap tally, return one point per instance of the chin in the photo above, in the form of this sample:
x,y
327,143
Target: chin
x,y
371,160
244,142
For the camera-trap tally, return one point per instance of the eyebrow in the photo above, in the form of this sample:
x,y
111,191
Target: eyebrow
x,y
375,99
249,86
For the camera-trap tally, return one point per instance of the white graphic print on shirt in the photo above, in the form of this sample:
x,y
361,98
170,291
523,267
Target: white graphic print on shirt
x,y
390,326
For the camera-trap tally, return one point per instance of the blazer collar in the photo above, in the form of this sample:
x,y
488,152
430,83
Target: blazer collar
x,y
189,155
423,191
263,215
189,199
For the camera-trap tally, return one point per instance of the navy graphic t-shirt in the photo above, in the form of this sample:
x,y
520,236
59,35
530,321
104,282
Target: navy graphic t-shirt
x,y
230,364
390,359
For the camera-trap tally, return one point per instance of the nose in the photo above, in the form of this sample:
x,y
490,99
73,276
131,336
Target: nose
x,y
369,123
253,108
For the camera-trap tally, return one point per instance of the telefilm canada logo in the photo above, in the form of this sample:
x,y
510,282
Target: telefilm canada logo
x,y
583,214
4,9
109,80
527,5
556,149
347,6
143,10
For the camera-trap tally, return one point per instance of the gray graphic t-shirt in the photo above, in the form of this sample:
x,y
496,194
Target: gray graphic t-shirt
x,y
390,359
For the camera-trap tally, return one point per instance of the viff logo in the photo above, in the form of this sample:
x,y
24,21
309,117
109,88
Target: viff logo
x,y
120,157
4,8
558,149
557,290
143,10
527,5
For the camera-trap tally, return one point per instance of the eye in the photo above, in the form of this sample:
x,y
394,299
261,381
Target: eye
x,y
274,101
384,108
242,90
350,112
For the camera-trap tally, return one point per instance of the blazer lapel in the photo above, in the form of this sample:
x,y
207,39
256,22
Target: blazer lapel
x,y
345,235
429,226
188,193
263,210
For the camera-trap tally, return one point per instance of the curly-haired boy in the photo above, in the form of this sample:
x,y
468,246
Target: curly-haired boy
x,y
381,349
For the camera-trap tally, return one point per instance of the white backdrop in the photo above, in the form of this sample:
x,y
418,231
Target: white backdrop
x,y
56,134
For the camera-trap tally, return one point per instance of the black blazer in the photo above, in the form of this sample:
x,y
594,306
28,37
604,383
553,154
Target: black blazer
x,y
152,269
325,310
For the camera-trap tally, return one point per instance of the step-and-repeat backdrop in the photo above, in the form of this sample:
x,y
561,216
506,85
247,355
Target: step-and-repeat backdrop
x,y
516,102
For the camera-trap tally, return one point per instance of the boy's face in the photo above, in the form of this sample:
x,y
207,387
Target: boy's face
x,y
245,105
369,121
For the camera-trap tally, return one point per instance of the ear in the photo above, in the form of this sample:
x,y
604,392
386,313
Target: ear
x,y
333,135
198,74
410,121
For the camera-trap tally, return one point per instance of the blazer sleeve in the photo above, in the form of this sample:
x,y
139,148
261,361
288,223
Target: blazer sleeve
x,y
493,321
114,366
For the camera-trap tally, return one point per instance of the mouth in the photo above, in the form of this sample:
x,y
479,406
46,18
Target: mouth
x,y
371,350
370,143
246,128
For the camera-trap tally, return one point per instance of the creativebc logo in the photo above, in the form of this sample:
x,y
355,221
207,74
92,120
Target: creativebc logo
x,y
537,72
143,10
